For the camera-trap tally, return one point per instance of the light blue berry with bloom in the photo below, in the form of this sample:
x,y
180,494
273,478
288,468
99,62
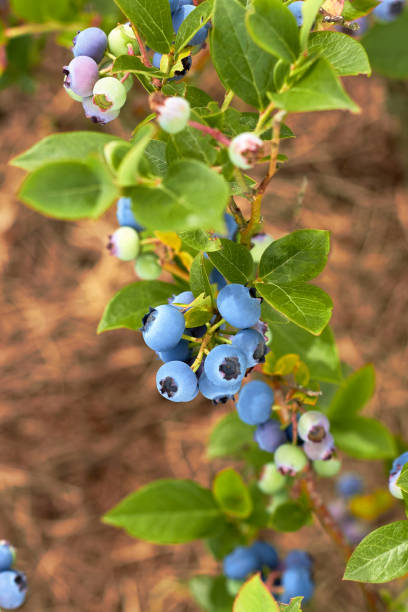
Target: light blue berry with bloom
x,y
296,10
255,403
163,327
7,555
239,305
91,42
177,382
13,589
225,366
252,344
125,214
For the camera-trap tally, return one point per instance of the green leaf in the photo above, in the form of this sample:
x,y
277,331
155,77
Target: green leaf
x,y
200,313
128,171
353,9
167,512
210,592
242,66
134,65
299,256
273,27
190,196
229,436
381,556
402,481
293,606
254,596
68,146
363,438
70,190
153,19
306,305
233,261
200,240
130,304
310,9
318,89
191,144
193,23
353,394
386,46
44,10
224,542
289,516
232,494
346,55
199,276
318,352
156,154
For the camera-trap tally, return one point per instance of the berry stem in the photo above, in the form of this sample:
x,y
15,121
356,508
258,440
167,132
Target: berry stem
x,y
237,214
143,52
229,94
192,339
201,352
214,133
173,269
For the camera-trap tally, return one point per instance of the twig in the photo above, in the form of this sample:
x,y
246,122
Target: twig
x,y
143,52
213,132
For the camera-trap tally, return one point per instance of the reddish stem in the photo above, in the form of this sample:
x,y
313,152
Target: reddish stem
x,y
214,133
142,48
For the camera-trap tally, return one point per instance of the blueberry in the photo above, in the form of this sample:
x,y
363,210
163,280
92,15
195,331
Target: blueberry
x,y
328,468
252,344
260,243
177,382
180,352
95,114
271,480
266,554
7,555
109,94
217,393
181,69
245,149
232,226
147,266
296,582
400,461
125,215
71,94
321,451
120,37
296,10
180,15
81,74
388,10
173,114
225,366
269,436
124,243
290,459
395,472
240,563
91,42
313,426
238,306
349,484
13,589
174,5
353,530
255,403
163,327
185,297
217,278
298,558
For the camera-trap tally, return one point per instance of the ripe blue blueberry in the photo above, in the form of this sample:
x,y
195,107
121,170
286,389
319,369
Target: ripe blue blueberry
x,y
395,473
218,394
91,42
180,352
81,74
245,149
95,114
349,484
7,555
260,243
180,15
181,69
185,297
173,114
388,10
271,480
177,382
252,344
296,582
163,327
290,459
298,558
174,5
255,403
240,563
13,589
125,216
225,366
120,37
216,278
124,243
109,94
321,451
232,226
296,10
269,436
147,266
266,554
239,305
400,461
313,426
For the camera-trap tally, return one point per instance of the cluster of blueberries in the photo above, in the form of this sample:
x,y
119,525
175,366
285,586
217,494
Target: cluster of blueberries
x,y
292,578
13,584
395,473
103,96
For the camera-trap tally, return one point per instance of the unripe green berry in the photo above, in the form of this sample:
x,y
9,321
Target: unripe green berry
x,y
245,149
147,266
328,468
173,114
124,243
290,459
271,479
120,37
109,94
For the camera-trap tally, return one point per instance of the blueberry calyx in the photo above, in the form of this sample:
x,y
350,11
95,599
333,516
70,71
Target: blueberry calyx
x,y
230,368
317,433
259,352
168,386
149,318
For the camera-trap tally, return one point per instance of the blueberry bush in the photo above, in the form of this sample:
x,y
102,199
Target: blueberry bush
x,y
238,318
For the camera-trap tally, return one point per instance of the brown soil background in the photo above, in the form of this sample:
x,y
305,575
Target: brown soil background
x,y
81,424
